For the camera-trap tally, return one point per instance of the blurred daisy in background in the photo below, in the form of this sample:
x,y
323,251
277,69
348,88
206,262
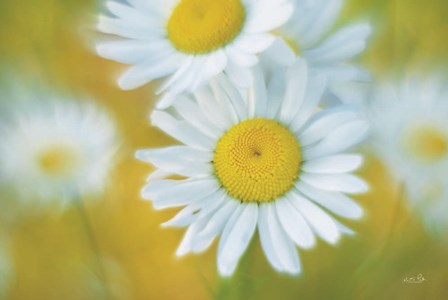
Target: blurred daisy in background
x,y
56,148
268,160
306,35
189,41
410,133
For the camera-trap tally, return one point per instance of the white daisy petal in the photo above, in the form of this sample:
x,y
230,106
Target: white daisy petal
x,y
219,218
172,193
322,224
339,139
279,242
294,224
341,163
325,121
343,45
181,130
265,20
297,79
266,239
314,92
186,246
139,74
182,164
258,93
322,23
335,202
275,93
210,108
190,111
336,182
236,238
233,96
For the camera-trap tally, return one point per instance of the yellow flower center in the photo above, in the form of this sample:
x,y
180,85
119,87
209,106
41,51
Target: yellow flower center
x,y
257,160
58,160
201,26
426,143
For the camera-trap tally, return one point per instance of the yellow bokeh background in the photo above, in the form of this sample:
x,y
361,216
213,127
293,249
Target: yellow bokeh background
x,y
53,40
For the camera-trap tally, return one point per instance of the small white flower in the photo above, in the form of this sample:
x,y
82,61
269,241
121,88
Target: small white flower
x,y
54,147
410,133
268,159
304,35
189,41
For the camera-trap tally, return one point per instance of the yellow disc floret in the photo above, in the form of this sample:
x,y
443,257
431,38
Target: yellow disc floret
x,y
426,143
257,160
201,26
57,160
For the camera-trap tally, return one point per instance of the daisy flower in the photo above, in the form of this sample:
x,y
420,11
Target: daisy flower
x,y
410,133
54,147
267,159
189,41
306,35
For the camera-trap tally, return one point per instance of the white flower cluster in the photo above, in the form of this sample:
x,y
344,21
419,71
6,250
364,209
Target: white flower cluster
x,y
243,92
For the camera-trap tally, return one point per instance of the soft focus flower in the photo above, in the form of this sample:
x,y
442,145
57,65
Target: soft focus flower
x,y
54,147
410,133
305,35
189,41
267,160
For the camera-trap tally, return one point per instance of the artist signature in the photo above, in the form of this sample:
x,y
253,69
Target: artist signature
x,y
415,279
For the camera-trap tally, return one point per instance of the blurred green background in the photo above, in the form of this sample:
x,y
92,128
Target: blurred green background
x,y
53,40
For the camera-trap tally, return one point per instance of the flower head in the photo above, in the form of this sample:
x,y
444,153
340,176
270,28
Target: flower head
x,y
189,41
268,159
304,35
410,133
54,148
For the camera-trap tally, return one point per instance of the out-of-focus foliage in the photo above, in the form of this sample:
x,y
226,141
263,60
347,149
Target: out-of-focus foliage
x,y
52,257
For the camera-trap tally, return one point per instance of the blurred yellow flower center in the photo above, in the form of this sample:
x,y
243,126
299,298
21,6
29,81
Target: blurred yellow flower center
x,y
58,160
426,143
201,26
257,160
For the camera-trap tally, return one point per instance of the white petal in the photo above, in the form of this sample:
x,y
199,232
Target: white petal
x,y
171,159
323,122
186,245
211,109
320,222
327,12
280,53
257,93
233,96
240,76
279,242
190,112
254,43
172,193
314,91
219,218
297,78
236,238
263,19
339,139
182,131
294,224
335,202
333,164
336,182
343,45
241,58
147,71
275,93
